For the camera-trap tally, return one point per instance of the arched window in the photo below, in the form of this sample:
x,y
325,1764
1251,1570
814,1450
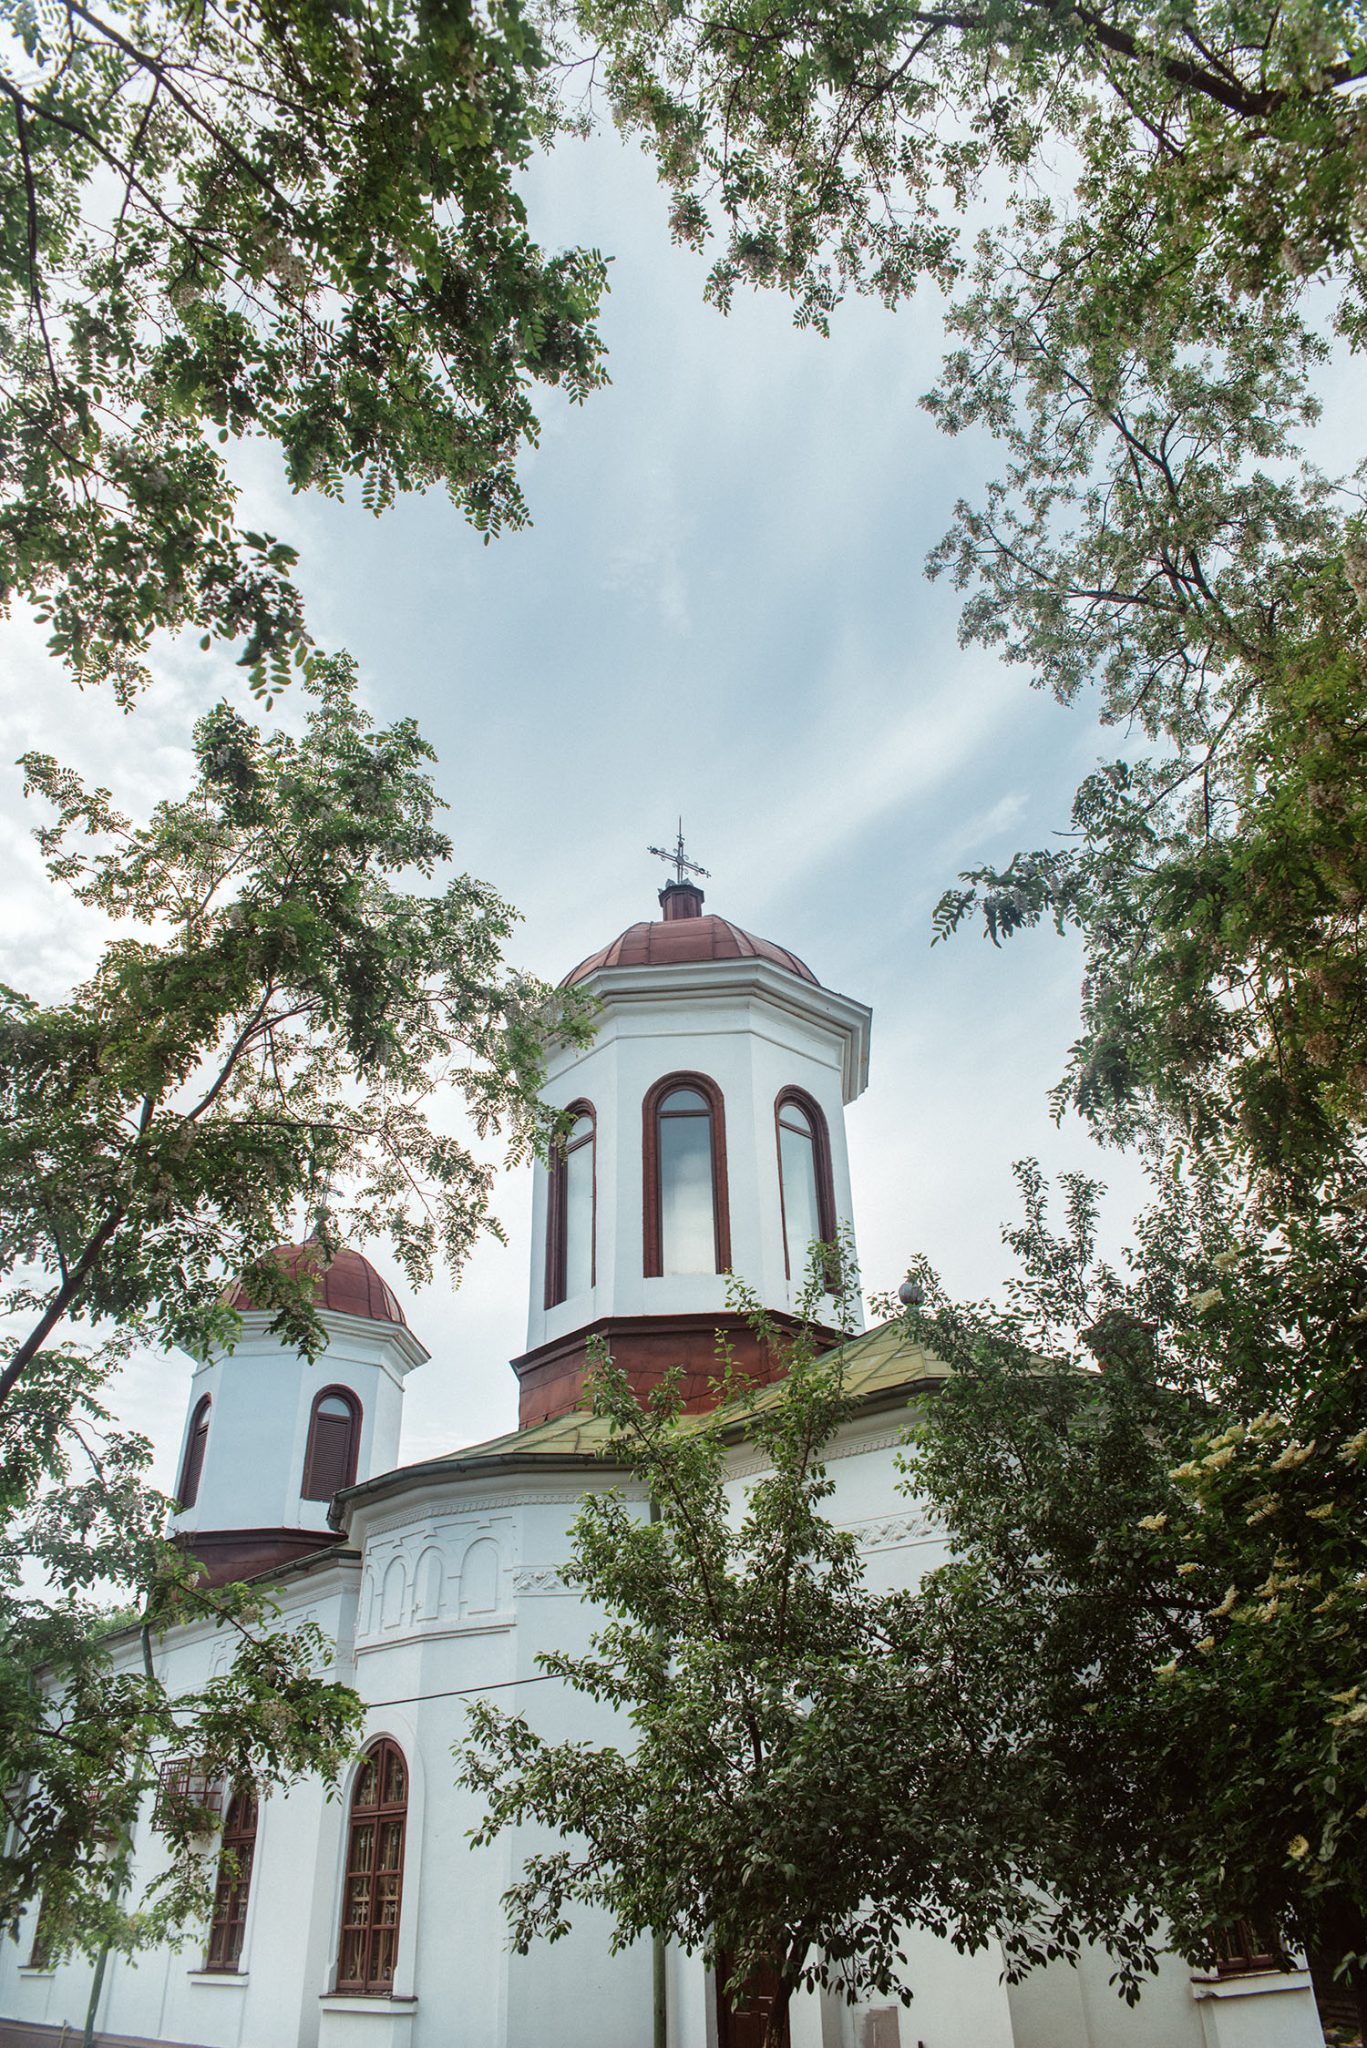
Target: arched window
x,y
334,1438
806,1194
228,1921
373,1887
686,1218
194,1454
570,1220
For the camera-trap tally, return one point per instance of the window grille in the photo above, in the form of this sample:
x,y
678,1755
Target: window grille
x,y
373,1885
188,1800
228,1920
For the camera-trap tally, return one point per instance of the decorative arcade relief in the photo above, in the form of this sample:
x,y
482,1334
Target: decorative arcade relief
x,y
437,1580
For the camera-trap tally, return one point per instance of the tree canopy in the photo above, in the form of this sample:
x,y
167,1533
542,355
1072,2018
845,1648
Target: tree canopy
x,y
284,220
1127,208
802,1772
1152,1479
266,1034
833,147
261,1042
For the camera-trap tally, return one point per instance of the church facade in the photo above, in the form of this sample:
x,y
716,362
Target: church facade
x,y
705,1134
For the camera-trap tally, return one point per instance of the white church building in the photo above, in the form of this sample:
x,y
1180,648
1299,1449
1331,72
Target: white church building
x,y
707,1135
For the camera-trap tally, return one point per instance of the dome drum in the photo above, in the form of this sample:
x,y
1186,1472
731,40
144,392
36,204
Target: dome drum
x,y
553,1378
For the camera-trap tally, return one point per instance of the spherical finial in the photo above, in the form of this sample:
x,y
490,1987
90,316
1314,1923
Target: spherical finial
x,y
911,1293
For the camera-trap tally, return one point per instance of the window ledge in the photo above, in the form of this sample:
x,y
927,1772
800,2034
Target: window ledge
x,y
37,1969
1250,1984
366,2001
234,1977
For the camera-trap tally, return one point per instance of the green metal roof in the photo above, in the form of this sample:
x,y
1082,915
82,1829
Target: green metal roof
x,y
884,1369
880,1366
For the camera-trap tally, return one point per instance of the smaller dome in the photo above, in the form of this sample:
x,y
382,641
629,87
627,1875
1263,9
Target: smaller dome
x,y
686,933
350,1286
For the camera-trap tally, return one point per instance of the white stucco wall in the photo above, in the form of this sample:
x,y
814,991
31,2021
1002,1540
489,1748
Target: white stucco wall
x,y
457,1587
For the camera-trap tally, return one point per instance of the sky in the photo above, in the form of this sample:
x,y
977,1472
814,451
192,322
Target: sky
x,y
720,612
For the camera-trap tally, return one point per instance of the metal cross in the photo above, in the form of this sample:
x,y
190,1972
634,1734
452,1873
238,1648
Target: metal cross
x,y
682,864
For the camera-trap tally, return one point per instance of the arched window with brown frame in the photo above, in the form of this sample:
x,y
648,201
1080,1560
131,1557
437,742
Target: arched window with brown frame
x,y
571,1213
686,1216
228,1920
190,1471
805,1186
372,1889
333,1442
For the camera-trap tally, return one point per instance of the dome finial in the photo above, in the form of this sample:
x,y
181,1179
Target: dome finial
x,y
679,861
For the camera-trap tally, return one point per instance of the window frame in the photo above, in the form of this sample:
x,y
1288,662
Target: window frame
x,y
196,1442
232,1886
187,1796
40,1947
557,1206
652,1218
353,1402
1241,1951
368,1985
821,1162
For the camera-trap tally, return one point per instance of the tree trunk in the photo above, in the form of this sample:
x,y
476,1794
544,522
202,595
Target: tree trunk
x,y
776,2022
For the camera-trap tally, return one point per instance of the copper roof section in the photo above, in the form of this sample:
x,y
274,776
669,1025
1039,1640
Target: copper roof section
x,y
672,940
350,1286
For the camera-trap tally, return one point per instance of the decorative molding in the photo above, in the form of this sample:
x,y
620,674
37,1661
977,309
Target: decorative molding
x,y
885,1440
548,1580
896,1532
431,1513
500,1625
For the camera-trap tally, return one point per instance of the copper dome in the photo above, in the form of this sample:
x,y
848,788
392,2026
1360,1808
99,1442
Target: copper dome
x,y
350,1286
685,934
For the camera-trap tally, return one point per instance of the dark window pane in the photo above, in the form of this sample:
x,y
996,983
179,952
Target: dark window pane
x,y
688,1240
683,1099
228,1920
330,1463
194,1455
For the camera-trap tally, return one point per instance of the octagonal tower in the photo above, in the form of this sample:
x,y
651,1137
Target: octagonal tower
x,y
708,1137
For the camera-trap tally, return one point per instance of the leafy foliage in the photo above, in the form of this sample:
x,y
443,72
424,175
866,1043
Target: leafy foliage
x,y
1153,538
87,1717
797,1779
1153,1484
837,146
269,1029
270,218
1134,328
